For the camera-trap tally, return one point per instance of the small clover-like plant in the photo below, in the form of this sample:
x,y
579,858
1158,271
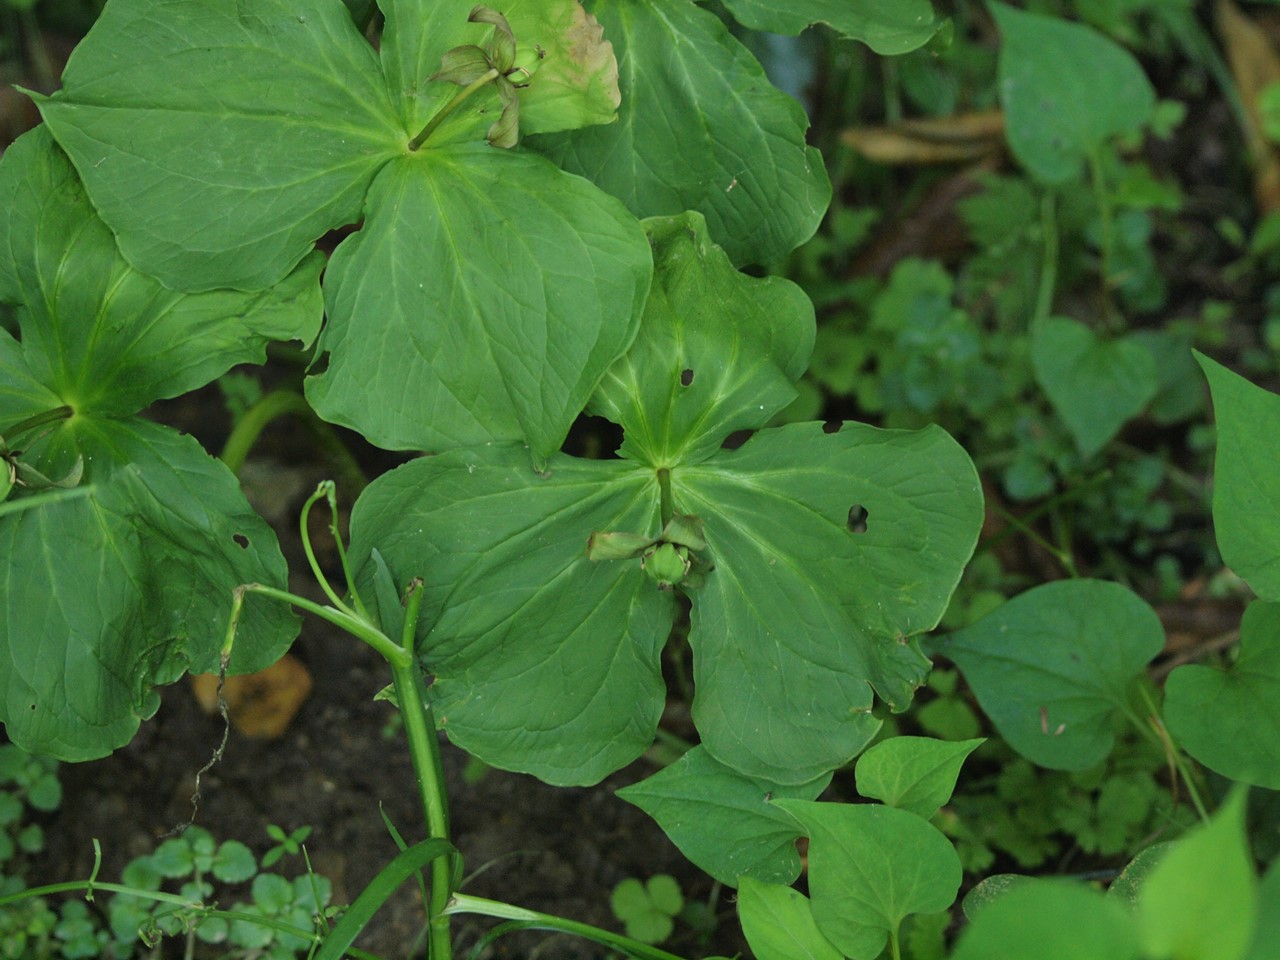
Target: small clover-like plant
x,y
649,908
193,861
286,844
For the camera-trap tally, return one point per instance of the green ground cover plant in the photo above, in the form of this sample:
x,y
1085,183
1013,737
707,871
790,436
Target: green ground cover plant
x,y
562,210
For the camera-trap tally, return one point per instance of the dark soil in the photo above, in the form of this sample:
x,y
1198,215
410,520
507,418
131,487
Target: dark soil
x,y
343,759
552,849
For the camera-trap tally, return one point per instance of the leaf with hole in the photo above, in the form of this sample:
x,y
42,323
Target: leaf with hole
x,y
547,660
1053,666
115,592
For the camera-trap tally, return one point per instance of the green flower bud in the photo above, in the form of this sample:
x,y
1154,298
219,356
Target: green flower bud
x,y
667,565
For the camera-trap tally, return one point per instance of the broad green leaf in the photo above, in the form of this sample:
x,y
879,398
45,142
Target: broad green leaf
x,y
545,661
916,774
483,298
1066,89
1246,484
778,923
219,140
1053,665
830,610
574,79
1050,920
1127,887
889,28
1200,902
714,380
1095,385
101,337
111,595
820,554
722,820
1222,718
869,868
122,588
1266,937
700,128
990,889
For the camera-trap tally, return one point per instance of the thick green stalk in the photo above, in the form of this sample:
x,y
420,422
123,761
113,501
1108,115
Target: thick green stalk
x,y
666,504
248,429
424,749
458,99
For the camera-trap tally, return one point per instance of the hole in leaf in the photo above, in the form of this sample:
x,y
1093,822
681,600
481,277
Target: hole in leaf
x,y
832,426
686,377
857,521
241,541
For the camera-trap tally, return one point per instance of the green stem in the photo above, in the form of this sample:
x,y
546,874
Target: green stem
x,y
36,422
41,62
1106,238
1062,534
458,99
666,505
1063,557
424,748
1048,257
464,903
248,430
1155,722
391,651
324,489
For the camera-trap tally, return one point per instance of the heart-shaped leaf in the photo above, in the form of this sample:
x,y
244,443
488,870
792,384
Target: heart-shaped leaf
x,y
700,128
1066,89
112,593
1220,716
778,923
546,659
1246,484
1052,666
1096,386
916,774
723,821
220,142
887,28
870,867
